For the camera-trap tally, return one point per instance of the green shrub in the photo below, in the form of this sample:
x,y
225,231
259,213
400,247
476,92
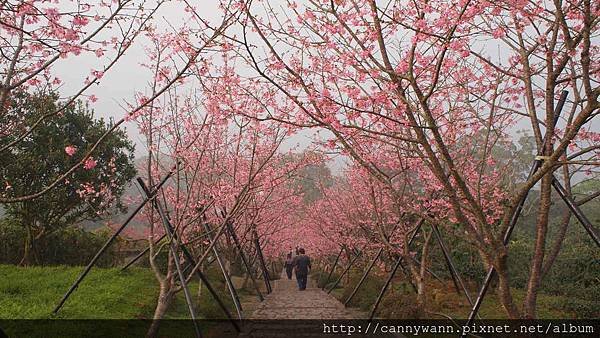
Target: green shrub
x,y
366,294
581,308
70,246
320,277
401,306
11,242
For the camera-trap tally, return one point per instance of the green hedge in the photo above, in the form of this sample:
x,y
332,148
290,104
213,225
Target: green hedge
x,y
71,246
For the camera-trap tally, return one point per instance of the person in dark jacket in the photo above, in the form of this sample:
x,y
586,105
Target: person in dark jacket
x,y
289,266
302,266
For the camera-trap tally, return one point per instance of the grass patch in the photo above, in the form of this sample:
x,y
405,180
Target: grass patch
x,y
33,292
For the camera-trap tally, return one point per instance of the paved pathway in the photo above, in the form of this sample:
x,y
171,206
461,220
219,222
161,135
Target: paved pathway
x,y
287,302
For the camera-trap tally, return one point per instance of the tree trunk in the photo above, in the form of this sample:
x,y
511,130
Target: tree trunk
x,y
165,298
504,293
535,275
562,230
422,278
28,248
166,290
555,249
418,274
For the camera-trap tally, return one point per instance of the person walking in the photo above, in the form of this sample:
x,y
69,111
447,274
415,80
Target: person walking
x,y
302,266
289,265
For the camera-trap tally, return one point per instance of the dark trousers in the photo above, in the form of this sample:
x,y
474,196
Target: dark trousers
x,y
301,279
288,272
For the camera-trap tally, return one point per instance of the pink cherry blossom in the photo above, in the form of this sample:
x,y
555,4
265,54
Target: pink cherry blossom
x,y
498,33
80,20
70,150
417,96
89,163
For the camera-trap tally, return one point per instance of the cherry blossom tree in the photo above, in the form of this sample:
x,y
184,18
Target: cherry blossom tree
x,y
439,85
39,36
424,97
227,169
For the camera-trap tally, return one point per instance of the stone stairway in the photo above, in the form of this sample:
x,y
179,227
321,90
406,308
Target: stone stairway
x,y
287,312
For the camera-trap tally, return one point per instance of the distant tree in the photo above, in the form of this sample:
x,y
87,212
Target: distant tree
x,y
50,150
311,178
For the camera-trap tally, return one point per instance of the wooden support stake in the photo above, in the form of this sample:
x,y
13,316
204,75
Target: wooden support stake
x,y
87,269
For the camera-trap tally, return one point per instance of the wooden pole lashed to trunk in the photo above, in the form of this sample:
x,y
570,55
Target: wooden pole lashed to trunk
x,y
337,258
236,241
261,260
228,282
364,276
393,272
537,163
151,195
173,246
190,260
350,264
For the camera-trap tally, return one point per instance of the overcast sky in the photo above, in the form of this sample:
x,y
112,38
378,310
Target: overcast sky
x,y
127,77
